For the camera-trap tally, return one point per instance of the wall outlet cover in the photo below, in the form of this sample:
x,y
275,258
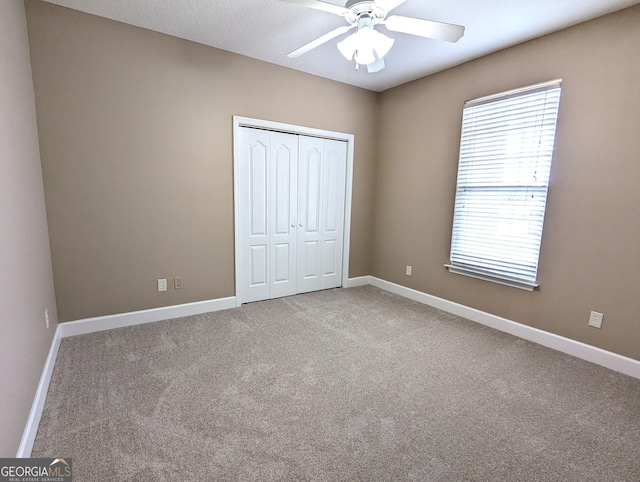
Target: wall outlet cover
x,y
595,319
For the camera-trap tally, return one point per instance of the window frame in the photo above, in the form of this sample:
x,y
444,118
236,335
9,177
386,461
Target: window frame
x,y
521,272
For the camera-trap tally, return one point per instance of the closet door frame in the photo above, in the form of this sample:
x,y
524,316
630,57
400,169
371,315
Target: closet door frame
x,y
238,123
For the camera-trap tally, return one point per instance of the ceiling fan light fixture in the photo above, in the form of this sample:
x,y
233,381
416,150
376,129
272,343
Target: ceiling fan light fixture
x,y
366,45
347,47
364,57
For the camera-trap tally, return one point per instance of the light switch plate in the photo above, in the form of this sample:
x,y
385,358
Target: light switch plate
x,y
162,285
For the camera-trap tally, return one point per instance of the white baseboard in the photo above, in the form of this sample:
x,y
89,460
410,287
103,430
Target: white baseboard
x,y
109,322
31,428
359,281
592,354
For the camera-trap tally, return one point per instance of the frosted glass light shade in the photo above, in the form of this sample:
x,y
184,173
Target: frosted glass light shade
x,y
365,46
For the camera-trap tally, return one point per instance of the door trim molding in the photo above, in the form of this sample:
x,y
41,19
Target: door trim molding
x,y
238,123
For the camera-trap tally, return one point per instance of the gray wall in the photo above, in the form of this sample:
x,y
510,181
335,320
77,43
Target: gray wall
x,y
26,282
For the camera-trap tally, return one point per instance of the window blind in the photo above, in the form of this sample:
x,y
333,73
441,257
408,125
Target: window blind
x,y
506,149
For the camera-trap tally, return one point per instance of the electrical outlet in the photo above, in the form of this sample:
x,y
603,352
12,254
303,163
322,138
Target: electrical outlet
x,y
162,285
408,270
46,317
595,319
177,283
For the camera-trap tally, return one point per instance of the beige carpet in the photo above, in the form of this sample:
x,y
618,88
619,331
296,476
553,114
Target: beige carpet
x,y
346,384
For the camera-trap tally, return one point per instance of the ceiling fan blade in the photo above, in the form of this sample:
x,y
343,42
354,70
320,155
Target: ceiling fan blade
x,y
319,41
388,5
318,5
425,28
376,66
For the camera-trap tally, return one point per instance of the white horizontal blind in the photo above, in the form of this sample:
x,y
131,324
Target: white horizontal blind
x,y
503,173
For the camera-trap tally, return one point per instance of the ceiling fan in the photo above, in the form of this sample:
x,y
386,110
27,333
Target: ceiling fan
x,y
367,46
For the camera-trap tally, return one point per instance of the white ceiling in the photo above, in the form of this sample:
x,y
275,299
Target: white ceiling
x,y
269,29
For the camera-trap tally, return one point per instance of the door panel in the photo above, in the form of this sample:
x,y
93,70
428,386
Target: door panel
x,y
282,191
282,263
254,214
330,213
258,266
309,262
329,258
334,183
309,205
284,208
312,194
258,189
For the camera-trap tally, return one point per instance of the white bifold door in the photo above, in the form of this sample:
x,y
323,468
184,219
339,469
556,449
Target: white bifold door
x,y
290,214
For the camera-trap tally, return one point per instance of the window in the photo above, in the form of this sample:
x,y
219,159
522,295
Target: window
x,y
506,149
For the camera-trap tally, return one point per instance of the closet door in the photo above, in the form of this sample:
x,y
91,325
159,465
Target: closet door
x,y
253,213
311,155
283,211
321,202
267,209
334,174
291,201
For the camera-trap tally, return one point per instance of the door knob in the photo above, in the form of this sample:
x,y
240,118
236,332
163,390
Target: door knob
x,y
293,225
300,224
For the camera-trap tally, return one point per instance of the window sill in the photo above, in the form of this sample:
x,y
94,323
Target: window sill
x,y
472,273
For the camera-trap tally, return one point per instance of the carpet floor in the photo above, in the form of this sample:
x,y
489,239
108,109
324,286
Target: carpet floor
x,y
345,384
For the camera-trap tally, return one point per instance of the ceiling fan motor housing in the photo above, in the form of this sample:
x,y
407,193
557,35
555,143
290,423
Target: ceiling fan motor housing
x,y
360,8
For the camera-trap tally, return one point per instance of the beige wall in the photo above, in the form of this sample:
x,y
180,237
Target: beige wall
x,y
26,282
590,256
136,140
137,157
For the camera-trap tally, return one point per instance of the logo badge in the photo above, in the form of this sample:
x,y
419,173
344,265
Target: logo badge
x,y
36,470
